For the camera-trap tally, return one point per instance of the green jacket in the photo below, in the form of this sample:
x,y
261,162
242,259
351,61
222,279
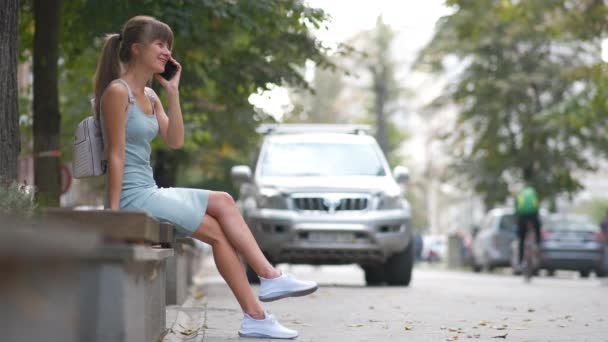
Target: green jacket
x,y
526,202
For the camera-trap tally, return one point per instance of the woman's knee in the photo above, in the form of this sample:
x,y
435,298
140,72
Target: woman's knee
x,y
220,201
210,231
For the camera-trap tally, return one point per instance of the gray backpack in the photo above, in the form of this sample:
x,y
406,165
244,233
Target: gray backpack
x,y
88,158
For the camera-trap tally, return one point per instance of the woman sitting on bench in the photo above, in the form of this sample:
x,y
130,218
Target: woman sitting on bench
x,y
132,115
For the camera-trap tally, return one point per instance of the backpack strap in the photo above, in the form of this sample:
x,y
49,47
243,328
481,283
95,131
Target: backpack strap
x,y
152,97
131,98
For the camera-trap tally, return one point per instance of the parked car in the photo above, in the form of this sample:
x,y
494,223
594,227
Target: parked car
x,y
324,194
434,248
571,243
492,243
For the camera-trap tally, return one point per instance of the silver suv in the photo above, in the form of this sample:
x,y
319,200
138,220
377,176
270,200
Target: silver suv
x,y
324,194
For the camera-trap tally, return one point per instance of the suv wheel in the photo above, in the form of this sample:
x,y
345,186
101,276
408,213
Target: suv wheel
x,y
251,275
398,268
374,275
475,266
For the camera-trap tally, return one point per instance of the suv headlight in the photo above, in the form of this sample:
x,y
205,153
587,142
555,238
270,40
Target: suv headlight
x,y
271,199
387,202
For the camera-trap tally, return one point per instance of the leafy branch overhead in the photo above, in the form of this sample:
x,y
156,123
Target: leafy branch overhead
x,y
531,92
228,49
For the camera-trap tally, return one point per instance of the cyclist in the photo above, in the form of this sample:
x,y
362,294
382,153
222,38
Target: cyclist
x,y
526,209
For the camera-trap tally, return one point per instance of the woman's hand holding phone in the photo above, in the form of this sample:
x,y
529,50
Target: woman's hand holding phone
x,y
169,79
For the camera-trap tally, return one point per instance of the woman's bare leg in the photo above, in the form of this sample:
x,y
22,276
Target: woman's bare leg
x,y
229,265
223,208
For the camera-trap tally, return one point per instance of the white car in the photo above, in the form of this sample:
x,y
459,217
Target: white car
x,y
492,243
324,194
434,248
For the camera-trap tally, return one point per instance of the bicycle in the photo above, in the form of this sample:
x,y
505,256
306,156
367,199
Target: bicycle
x,y
531,255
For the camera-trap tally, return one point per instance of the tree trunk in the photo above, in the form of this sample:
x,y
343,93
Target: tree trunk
x,y
380,79
9,110
47,175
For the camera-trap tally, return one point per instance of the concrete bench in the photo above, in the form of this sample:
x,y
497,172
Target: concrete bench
x,y
180,270
85,276
126,226
137,227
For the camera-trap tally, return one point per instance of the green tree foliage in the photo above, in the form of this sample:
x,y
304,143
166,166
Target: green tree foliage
x,y
531,92
16,199
363,82
321,104
595,208
376,61
228,49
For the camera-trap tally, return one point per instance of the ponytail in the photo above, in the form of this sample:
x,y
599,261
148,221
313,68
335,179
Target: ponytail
x,y
108,68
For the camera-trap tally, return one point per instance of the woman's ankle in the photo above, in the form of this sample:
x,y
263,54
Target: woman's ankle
x,y
256,314
270,273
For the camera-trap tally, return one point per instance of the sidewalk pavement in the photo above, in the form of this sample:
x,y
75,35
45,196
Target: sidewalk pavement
x,y
440,306
211,313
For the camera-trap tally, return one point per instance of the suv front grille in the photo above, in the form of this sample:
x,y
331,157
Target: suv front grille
x,y
330,204
321,256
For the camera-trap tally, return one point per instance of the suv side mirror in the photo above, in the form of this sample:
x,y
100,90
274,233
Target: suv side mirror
x,y
240,173
401,174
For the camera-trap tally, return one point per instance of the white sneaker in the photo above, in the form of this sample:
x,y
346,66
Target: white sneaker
x,y
284,286
265,328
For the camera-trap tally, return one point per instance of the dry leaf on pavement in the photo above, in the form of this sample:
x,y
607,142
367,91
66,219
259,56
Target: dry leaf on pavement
x,y
500,336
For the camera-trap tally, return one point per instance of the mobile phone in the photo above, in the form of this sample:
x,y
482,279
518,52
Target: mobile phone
x,y
170,70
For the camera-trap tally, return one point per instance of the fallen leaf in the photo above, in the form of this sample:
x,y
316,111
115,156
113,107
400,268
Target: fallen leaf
x,y
531,310
453,338
408,328
197,293
500,336
188,332
354,325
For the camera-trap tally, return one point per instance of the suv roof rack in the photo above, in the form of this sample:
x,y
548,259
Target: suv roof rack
x,y
267,129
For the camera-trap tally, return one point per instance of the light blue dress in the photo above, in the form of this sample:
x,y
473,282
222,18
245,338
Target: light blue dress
x,y
182,207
